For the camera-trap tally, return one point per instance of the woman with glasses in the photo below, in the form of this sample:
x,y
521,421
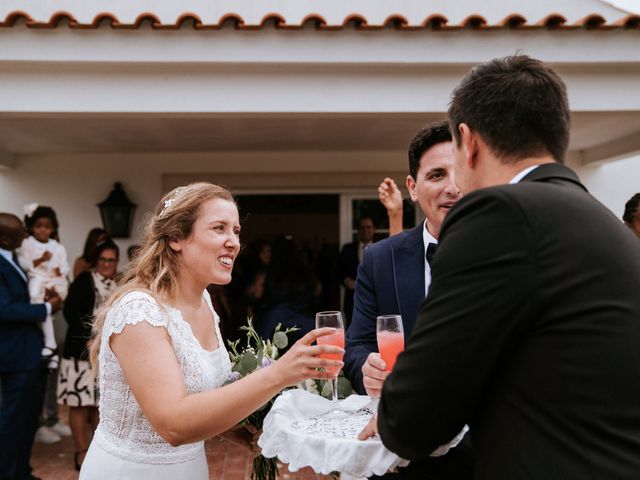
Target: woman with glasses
x,y
76,386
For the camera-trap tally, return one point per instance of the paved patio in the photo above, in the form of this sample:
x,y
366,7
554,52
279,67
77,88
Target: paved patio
x,y
226,462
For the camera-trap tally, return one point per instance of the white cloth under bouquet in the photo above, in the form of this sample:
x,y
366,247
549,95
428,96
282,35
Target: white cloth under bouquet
x,y
296,431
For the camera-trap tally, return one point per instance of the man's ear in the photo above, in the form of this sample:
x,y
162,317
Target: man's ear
x,y
469,145
411,186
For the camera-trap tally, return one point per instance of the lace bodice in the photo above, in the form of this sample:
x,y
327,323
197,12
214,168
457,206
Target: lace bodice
x,y
124,431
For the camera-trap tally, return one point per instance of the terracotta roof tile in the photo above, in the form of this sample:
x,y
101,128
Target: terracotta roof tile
x,y
435,21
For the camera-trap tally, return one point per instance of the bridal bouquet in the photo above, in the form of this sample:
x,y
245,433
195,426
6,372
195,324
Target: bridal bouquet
x,y
258,353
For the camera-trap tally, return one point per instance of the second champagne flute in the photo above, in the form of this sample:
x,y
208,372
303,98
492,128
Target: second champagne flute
x,y
333,320
390,336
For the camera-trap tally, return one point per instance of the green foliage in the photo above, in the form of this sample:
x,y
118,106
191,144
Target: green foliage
x,y
280,340
323,387
258,353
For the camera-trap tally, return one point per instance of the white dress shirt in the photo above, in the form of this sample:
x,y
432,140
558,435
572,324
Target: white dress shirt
x,y
523,173
8,256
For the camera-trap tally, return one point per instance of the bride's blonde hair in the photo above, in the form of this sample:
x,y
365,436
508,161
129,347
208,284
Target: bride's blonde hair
x,y
156,267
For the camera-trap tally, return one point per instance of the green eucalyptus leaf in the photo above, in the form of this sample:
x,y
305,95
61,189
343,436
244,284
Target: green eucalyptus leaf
x,y
259,357
280,340
326,390
237,368
249,362
344,387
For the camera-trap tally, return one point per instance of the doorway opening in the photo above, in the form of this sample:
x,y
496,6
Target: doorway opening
x,y
285,271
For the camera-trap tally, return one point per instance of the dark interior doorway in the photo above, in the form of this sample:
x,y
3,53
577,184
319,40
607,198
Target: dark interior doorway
x,y
285,271
309,220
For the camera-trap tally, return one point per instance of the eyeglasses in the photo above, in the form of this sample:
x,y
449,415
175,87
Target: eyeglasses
x,y
107,260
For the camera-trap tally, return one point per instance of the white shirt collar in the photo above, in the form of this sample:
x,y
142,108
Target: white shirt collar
x,y
523,173
7,254
427,238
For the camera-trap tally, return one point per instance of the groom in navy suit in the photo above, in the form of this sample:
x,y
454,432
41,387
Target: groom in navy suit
x,y
21,370
395,273
394,277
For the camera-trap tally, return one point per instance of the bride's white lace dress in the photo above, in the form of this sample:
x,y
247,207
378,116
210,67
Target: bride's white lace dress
x,y
125,445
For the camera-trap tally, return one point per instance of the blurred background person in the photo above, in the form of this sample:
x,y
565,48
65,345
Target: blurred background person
x,y
631,215
44,260
77,387
132,251
348,261
22,373
297,297
87,260
391,198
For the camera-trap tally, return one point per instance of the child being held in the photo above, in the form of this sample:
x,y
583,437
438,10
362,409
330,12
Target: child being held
x,y
45,261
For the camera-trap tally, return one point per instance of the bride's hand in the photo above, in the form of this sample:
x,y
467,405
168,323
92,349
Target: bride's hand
x,y
302,361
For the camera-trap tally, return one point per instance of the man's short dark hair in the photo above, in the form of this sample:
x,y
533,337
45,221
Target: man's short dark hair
x,y
427,137
518,105
367,217
631,208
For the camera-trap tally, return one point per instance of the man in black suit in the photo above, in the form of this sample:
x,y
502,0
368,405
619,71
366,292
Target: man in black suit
x,y
348,261
22,374
531,328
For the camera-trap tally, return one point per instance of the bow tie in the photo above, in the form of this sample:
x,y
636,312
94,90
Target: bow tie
x,y
431,251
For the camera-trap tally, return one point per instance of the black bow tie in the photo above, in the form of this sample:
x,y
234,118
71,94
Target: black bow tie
x,y
431,251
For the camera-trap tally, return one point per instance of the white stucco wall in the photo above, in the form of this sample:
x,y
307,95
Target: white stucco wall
x,y
73,185
613,183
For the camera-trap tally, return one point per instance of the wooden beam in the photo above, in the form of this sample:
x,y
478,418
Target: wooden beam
x,y
7,160
617,149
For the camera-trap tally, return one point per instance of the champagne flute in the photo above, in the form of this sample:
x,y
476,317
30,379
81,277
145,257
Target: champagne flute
x,y
390,336
333,320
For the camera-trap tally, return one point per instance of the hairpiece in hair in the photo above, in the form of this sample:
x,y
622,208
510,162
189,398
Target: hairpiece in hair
x,y
170,201
29,208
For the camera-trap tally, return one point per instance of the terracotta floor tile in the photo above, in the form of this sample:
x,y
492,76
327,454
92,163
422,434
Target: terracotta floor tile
x,y
226,462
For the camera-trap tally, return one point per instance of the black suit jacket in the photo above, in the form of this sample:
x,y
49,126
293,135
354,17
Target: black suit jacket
x,y
530,334
21,338
78,312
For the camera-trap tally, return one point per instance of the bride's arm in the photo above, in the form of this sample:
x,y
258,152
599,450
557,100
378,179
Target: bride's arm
x,y
150,366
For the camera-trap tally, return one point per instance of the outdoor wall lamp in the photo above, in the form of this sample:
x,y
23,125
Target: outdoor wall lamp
x,y
117,212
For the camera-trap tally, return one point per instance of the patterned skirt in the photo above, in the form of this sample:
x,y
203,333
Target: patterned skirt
x,y
76,386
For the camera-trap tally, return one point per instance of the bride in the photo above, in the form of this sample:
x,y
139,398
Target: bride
x,y
160,357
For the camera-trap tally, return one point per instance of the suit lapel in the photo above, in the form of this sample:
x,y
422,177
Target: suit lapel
x,y
408,271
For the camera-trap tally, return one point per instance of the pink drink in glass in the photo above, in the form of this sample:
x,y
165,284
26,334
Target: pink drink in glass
x,y
336,339
390,344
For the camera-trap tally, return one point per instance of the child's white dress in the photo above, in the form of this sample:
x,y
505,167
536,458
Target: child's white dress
x,y
44,277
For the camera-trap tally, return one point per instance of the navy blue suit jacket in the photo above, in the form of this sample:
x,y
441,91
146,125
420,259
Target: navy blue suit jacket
x,y
21,338
390,281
